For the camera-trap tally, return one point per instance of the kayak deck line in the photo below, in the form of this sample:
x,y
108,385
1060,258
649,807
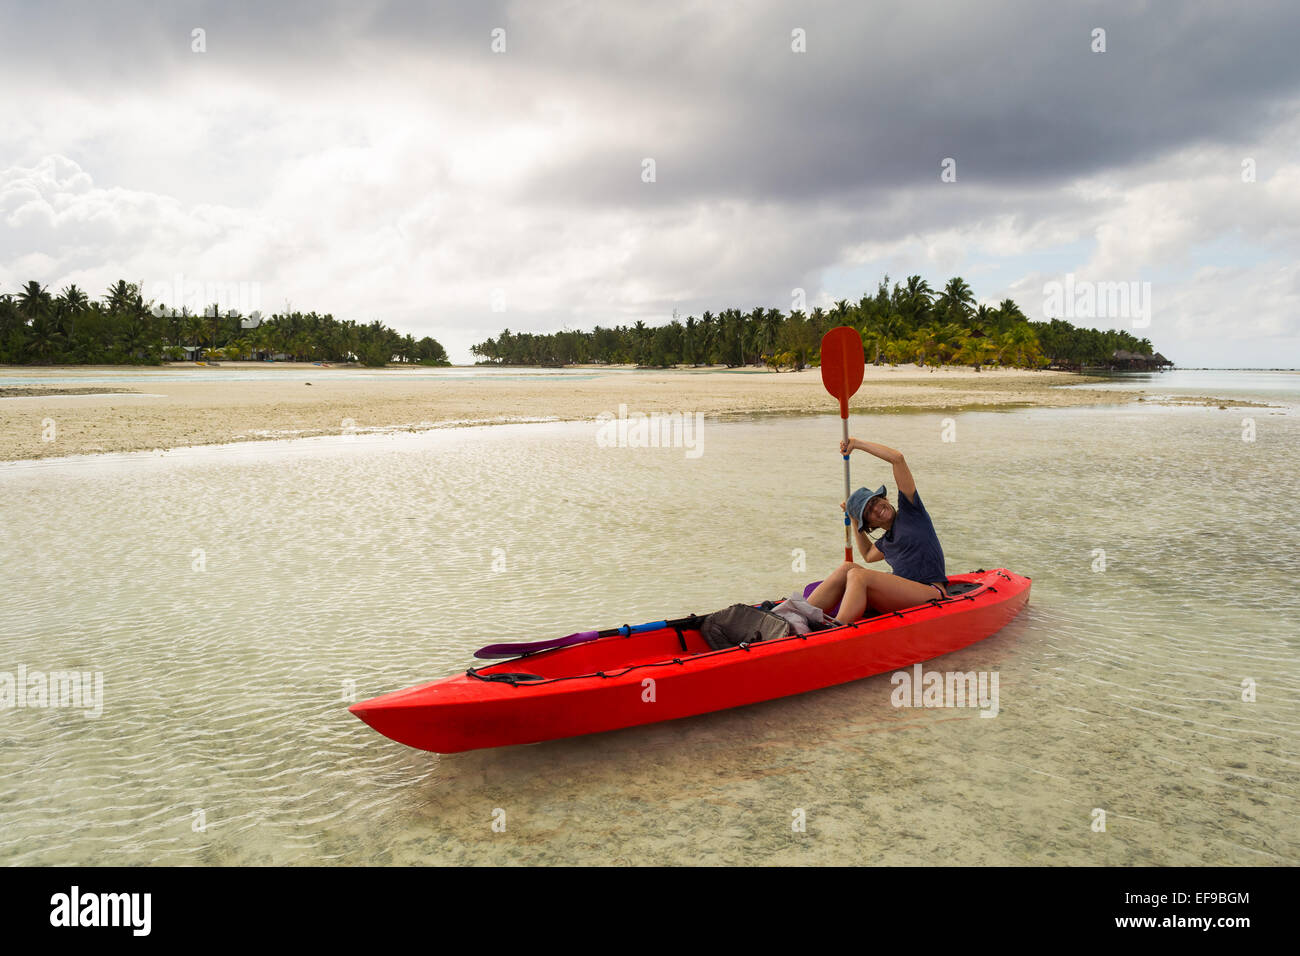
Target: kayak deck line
x,y
604,684
535,680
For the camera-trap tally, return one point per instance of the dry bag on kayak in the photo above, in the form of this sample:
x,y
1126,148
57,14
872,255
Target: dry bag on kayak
x,y
802,616
741,624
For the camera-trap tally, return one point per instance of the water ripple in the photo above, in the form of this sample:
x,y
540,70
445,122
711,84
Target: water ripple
x,y
236,603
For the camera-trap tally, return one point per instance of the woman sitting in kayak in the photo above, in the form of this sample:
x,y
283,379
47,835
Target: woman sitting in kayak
x,y
909,545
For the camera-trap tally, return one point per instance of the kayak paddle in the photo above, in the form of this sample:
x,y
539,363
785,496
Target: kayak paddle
x,y
514,650
843,364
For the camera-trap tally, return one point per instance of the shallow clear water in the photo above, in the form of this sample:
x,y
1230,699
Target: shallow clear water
x,y
346,567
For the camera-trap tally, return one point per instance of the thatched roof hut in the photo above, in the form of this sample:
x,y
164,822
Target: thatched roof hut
x,y
1122,358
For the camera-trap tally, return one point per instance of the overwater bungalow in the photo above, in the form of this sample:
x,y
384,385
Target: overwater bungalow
x,y
1136,362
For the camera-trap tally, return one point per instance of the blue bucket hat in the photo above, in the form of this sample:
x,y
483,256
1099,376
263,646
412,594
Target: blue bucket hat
x,y
859,501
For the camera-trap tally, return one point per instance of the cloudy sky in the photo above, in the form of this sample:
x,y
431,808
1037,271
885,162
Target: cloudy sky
x,y
381,160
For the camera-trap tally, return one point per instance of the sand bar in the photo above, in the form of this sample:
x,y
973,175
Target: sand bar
x,y
168,411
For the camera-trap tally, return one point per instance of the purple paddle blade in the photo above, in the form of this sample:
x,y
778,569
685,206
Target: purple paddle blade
x,y
514,650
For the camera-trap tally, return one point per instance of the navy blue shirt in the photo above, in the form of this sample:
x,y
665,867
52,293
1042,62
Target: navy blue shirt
x,y
911,546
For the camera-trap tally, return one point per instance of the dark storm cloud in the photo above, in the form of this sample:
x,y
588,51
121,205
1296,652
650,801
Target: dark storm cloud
x,y
82,43
714,94
1014,94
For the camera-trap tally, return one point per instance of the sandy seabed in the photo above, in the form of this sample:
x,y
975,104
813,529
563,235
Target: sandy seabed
x,y
40,420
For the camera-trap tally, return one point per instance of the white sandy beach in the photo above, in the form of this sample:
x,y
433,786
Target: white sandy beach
x,y
295,400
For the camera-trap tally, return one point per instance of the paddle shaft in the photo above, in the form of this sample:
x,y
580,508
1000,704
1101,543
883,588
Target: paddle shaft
x,y
848,527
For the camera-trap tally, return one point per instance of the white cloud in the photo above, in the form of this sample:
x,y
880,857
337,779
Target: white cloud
x,y
378,175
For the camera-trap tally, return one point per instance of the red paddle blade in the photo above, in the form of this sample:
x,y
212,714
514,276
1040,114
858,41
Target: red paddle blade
x,y
843,363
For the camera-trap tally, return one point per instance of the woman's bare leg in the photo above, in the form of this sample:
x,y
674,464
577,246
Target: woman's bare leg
x,y
831,591
856,588
889,592
854,603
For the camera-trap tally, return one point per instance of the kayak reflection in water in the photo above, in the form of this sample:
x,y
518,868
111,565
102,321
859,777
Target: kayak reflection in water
x,y
909,545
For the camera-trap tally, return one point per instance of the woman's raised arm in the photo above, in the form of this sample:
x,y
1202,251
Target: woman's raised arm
x,y
902,474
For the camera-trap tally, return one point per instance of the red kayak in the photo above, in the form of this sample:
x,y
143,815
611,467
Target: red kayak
x,y
643,678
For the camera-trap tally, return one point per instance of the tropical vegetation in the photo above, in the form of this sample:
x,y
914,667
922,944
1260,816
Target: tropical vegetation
x,y
908,322
70,328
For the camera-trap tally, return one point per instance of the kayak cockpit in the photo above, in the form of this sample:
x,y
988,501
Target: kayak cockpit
x,y
616,652
606,653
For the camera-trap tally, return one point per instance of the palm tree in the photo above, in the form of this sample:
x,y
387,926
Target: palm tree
x,y
43,337
918,347
915,299
213,323
33,301
874,343
754,333
818,322
708,334
1006,315
893,326
772,320
192,326
975,352
899,351
1019,346
866,311
730,330
639,342
949,338
797,340
174,325
73,298
71,301
263,339
840,313
957,299
121,296
134,339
